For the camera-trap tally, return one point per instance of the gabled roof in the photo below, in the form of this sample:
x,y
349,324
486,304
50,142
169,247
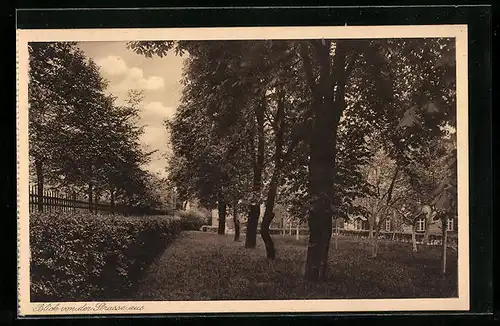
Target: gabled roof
x,y
355,217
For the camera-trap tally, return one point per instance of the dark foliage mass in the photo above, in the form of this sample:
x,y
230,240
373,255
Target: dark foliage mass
x,y
86,257
294,122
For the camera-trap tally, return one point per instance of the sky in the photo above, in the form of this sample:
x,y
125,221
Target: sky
x,y
159,78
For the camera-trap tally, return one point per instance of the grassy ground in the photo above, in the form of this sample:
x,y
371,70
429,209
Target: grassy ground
x,y
206,266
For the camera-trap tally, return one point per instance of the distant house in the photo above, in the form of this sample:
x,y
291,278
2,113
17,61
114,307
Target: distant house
x,y
434,227
359,222
353,222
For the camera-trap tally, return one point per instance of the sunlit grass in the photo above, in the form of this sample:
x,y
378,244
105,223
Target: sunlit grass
x,y
206,266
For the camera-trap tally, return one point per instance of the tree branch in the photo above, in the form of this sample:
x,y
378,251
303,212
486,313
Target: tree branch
x,y
391,186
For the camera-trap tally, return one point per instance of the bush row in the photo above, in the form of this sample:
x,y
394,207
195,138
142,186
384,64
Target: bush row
x,y
192,220
83,256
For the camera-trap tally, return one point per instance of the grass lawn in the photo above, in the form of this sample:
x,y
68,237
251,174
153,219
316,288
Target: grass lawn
x,y
207,266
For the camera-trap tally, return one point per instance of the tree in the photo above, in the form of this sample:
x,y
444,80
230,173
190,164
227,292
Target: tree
x,y
388,193
209,137
371,84
445,200
50,97
79,137
236,92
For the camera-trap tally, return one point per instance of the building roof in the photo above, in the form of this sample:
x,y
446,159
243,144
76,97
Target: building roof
x,y
355,217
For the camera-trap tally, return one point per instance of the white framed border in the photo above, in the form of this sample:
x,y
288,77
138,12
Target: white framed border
x,y
27,308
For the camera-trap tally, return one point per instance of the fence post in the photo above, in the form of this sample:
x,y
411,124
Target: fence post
x,y
46,200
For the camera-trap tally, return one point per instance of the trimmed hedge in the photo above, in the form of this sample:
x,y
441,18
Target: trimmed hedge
x,y
191,220
83,256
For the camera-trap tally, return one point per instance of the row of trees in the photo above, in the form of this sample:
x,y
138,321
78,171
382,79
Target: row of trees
x,y
296,122
80,138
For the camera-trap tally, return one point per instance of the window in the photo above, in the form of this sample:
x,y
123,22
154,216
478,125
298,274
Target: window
x,y
357,224
387,225
449,225
421,225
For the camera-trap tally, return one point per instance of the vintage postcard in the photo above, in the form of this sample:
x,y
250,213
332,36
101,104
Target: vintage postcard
x,y
252,170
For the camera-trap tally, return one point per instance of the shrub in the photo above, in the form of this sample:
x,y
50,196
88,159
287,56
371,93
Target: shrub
x,y
192,220
209,228
82,256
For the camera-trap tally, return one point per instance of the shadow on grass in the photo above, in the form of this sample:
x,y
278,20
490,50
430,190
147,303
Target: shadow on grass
x,y
206,266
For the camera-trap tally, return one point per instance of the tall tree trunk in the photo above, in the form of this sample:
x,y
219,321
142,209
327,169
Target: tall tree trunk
x,y
252,224
273,186
221,206
96,202
427,224
90,196
268,217
414,236
321,172
209,218
39,183
327,107
370,234
445,240
236,221
112,199
258,166
375,242
336,235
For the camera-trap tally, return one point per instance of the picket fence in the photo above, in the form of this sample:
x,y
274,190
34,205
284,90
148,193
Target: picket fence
x,y
54,201
406,237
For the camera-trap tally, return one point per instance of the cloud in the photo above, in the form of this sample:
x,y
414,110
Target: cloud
x,y
112,65
155,136
124,78
155,112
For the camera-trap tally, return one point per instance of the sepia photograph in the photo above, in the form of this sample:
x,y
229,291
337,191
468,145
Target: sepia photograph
x,y
265,168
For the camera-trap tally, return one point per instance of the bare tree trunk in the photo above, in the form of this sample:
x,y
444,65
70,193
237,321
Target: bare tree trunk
x,y
321,175
375,242
414,237
336,235
428,221
370,234
221,206
90,195
445,240
258,166
112,199
327,108
297,236
268,217
236,221
96,202
273,186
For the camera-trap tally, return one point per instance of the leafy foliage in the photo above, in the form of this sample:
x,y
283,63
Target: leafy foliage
x,y
191,220
80,139
87,257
